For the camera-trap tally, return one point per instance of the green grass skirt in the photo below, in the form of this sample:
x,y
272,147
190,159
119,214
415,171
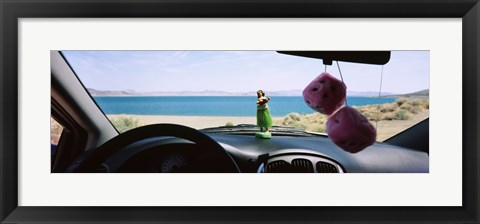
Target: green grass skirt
x,y
264,119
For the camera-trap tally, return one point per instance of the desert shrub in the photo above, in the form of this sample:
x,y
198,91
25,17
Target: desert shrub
x,y
229,124
316,122
415,103
301,126
414,106
401,114
317,118
124,123
406,107
416,109
425,104
310,122
285,121
372,116
294,116
400,101
375,117
388,116
390,107
318,128
366,114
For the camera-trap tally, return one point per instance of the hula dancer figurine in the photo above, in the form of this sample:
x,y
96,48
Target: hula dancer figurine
x,y
264,119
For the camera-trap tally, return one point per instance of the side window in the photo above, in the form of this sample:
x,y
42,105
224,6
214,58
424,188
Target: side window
x,y
56,130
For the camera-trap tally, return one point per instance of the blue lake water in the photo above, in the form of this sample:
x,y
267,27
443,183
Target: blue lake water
x,y
212,105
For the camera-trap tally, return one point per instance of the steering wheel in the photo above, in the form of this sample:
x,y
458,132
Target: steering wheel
x,y
221,162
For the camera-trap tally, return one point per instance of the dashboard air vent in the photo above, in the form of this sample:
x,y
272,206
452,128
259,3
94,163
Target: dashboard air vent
x,y
323,167
302,166
279,166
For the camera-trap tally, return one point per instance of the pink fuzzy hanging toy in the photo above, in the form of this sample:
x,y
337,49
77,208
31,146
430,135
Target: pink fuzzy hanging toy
x,y
325,94
347,128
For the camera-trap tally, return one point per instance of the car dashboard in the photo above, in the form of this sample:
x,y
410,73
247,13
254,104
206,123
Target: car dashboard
x,y
280,154
319,154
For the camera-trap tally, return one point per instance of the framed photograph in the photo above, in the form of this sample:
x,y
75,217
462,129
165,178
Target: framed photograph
x,y
208,111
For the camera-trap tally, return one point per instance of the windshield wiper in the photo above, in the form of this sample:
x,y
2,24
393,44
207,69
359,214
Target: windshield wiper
x,y
250,129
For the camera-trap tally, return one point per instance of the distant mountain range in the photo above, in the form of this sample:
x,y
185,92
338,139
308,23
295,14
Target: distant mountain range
x,y
419,94
95,92
295,92
367,93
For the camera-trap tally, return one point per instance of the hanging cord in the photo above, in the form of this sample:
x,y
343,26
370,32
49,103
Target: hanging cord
x,y
378,102
341,76
325,69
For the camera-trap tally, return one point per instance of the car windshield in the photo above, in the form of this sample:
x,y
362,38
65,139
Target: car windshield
x,y
210,89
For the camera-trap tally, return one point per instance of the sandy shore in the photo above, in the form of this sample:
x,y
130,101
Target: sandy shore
x,y
387,129
197,122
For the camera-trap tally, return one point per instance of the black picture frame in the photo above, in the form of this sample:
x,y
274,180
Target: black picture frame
x,y
11,11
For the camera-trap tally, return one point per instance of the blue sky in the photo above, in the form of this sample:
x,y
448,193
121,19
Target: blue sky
x,y
239,71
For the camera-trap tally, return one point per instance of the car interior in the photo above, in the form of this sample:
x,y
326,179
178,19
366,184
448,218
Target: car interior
x,y
90,143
